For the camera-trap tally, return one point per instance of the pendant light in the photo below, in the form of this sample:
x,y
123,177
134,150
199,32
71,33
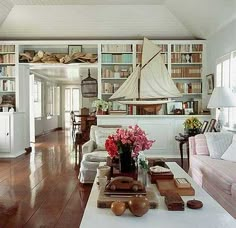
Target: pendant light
x,y
89,86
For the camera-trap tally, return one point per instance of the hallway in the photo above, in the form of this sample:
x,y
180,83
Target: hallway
x,y
44,184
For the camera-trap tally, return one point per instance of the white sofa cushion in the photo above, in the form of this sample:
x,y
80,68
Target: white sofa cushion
x,y
230,153
101,135
218,142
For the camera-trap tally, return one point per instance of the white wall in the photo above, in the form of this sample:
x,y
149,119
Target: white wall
x,y
44,125
221,43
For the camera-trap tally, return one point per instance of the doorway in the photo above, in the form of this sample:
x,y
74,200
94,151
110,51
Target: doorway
x,y
72,102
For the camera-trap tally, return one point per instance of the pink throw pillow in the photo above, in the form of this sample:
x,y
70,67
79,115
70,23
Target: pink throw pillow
x,y
201,145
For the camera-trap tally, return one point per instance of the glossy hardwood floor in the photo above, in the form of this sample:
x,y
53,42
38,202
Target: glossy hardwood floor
x,y
44,185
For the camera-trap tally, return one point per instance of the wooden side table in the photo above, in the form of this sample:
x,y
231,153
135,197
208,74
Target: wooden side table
x,y
183,140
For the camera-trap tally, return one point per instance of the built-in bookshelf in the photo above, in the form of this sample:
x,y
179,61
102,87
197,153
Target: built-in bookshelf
x,y
7,74
186,71
116,66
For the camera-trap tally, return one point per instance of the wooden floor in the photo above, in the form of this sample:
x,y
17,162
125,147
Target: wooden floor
x,y
44,185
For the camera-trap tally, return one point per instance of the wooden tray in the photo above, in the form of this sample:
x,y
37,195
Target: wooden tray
x,y
165,186
105,201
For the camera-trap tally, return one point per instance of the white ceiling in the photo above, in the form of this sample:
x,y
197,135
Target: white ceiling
x,y
113,19
66,74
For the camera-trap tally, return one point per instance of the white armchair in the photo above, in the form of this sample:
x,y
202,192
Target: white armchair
x,y
94,152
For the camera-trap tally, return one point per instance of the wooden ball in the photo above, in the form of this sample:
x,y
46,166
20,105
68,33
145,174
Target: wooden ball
x,y
118,207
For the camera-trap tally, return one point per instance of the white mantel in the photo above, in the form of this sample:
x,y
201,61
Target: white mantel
x,y
162,128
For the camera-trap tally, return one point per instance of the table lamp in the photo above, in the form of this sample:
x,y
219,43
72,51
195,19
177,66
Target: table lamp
x,y
222,97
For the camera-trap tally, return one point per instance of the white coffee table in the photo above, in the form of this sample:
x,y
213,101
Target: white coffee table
x,y
211,215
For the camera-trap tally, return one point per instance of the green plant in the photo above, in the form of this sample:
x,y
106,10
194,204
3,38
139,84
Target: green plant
x,y
192,122
101,104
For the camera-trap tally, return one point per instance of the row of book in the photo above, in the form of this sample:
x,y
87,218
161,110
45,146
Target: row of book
x,y
110,87
117,58
186,58
7,85
188,88
163,55
163,47
7,71
186,72
186,47
7,48
7,58
108,73
117,48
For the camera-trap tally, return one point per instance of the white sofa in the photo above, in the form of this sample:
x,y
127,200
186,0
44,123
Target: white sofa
x,y
216,175
93,152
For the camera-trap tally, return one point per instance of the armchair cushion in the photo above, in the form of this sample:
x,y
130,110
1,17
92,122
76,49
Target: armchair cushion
x,y
218,143
101,134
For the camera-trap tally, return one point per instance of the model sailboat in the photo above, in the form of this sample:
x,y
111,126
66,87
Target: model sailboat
x,y
149,84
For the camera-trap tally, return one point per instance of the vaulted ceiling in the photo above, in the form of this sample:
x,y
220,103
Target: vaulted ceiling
x,y
116,19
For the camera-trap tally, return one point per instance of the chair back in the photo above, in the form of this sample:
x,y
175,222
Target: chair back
x,y
204,126
84,111
211,126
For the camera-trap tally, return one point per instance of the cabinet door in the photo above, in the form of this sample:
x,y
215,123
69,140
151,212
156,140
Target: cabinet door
x,y
4,134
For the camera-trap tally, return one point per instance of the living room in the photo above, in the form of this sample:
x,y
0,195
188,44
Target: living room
x,y
183,29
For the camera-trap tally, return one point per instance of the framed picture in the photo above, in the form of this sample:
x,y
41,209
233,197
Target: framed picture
x,y
174,108
72,49
210,83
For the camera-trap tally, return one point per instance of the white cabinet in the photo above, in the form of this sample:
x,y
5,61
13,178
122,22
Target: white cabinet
x,y
4,134
12,135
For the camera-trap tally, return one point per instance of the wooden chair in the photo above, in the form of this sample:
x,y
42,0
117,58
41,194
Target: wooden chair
x,y
211,126
75,123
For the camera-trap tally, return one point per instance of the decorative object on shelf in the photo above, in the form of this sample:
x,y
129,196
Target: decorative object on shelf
x,y
221,98
46,57
138,205
72,49
101,106
192,126
174,108
150,83
210,83
127,144
89,86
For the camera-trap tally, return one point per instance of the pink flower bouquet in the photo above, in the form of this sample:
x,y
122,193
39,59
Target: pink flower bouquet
x,y
133,137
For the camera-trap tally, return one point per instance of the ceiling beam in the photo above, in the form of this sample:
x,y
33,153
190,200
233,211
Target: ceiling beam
x,y
5,8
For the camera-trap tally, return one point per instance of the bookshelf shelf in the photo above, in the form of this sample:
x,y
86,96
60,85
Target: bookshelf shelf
x,y
7,73
113,78
117,63
187,78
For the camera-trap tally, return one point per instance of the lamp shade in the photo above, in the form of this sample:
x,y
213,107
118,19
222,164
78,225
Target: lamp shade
x,y
222,97
89,86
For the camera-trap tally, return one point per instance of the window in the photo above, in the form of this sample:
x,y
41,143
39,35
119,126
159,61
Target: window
x,y
37,99
226,77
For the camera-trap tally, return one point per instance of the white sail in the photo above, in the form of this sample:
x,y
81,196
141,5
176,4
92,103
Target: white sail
x,y
152,81
129,89
149,51
156,82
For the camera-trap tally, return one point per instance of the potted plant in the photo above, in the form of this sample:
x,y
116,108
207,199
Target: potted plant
x,y
101,106
192,126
